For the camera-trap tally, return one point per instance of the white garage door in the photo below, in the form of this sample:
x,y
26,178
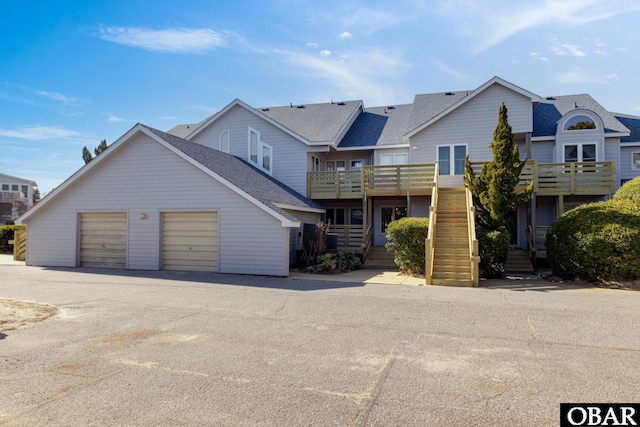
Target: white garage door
x,y
103,239
190,241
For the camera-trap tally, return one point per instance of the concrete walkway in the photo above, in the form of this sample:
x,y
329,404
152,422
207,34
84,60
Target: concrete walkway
x,y
6,259
366,276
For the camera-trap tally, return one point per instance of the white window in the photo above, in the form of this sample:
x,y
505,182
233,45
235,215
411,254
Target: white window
x,y
580,152
635,160
394,159
336,165
356,165
579,123
5,187
15,187
356,216
335,216
260,154
451,159
224,141
25,190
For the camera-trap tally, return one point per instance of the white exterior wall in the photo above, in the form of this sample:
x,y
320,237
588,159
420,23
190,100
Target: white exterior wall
x,y
250,240
542,151
383,151
626,171
289,154
347,156
473,124
580,136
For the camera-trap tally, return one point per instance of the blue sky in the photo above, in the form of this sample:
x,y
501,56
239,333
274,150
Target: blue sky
x,y
75,72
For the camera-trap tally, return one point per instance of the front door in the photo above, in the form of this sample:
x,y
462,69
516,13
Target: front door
x,y
387,214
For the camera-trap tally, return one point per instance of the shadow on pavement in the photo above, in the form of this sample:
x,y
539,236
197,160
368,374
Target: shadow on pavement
x,y
217,278
529,283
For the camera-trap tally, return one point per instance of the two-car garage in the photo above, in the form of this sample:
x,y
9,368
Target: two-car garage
x,y
189,240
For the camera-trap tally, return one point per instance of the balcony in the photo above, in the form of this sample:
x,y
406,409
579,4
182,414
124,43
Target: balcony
x,y
549,179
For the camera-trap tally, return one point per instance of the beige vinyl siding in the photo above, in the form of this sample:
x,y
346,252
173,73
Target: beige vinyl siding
x,y
144,178
190,241
289,154
103,239
473,124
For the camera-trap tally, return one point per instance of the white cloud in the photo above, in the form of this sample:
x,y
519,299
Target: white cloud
x,y
38,133
346,35
492,22
171,40
325,53
536,55
55,96
113,118
568,49
363,74
313,45
72,114
580,76
448,70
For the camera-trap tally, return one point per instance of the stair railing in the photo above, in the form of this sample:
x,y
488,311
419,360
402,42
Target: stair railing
x,y
431,234
474,252
366,243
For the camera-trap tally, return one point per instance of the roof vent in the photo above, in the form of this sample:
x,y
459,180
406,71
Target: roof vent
x,y
341,103
449,93
291,104
391,107
300,106
575,104
550,98
265,109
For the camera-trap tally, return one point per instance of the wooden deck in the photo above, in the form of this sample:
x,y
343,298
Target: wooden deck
x,y
549,179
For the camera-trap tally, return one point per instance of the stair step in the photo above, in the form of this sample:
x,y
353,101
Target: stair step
x,y
452,282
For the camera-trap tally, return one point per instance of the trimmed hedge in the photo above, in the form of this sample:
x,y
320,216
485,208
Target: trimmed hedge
x,y
598,241
494,248
630,190
7,233
406,238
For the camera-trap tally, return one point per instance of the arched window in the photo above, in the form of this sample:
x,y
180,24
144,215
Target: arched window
x,y
579,123
224,141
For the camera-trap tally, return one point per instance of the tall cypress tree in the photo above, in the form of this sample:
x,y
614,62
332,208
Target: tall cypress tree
x,y
494,189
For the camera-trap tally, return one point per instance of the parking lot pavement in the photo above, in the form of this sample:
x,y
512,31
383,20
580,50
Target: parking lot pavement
x,y
167,348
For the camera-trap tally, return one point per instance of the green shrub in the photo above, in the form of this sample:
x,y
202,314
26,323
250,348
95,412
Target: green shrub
x,y
630,190
406,238
340,262
7,233
598,241
494,248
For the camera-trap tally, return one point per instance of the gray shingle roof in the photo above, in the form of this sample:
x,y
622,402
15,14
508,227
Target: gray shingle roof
x,y
427,106
314,122
183,131
378,126
241,174
551,109
633,124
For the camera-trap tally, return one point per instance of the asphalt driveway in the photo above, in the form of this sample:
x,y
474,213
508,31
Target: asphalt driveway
x,y
165,348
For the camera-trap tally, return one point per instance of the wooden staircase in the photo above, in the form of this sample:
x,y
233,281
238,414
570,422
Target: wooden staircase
x,y
380,258
451,257
518,262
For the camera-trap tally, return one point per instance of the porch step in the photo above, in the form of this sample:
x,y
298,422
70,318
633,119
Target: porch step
x,y
380,258
451,259
518,262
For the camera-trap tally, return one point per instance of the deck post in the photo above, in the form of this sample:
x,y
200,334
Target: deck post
x,y
572,174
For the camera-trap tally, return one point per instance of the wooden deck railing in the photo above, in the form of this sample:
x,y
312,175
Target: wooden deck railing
x,y
549,179
474,249
19,245
431,234
350,237
367,242
334,185
586,178
398,180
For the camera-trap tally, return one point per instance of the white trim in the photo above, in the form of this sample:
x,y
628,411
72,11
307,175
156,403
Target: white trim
x,y
226,132
579,148
299,208
452,160
532,96
286,222
543,138
28,181
261,145
633,168
372,147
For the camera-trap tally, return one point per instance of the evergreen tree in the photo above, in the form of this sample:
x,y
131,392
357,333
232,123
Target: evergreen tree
x,y
86,155
494,189
36,196
101,147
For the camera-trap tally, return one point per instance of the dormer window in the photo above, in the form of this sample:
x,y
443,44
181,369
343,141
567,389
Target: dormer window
x,y
260,154
579,123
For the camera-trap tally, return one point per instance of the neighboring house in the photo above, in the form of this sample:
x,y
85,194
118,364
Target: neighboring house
x,y
155,201
364,167
16,197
